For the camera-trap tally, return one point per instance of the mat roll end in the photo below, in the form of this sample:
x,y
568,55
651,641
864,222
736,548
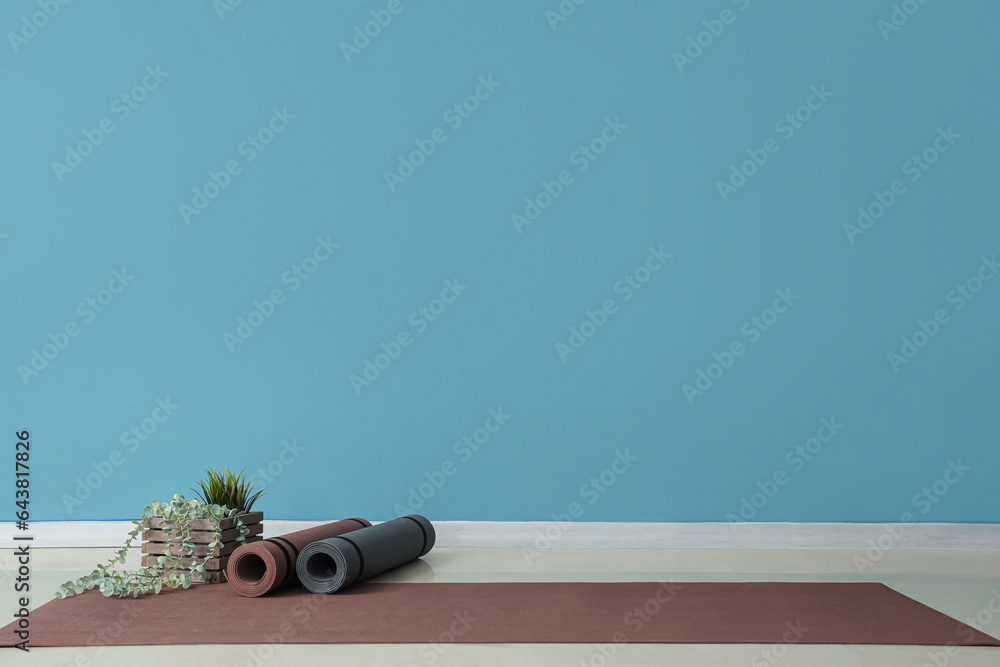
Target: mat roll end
x,y
256,569
326,568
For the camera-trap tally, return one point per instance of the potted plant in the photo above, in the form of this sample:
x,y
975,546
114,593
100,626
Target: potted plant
x,y
185,541
229,489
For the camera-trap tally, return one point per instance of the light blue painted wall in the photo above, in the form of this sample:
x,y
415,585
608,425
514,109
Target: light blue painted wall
x,y
880,96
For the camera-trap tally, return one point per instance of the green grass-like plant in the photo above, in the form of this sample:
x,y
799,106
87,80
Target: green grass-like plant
x,y
229,489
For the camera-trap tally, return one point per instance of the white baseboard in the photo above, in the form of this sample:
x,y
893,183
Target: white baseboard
x,y
594,535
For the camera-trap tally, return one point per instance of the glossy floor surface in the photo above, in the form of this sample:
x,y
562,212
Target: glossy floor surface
x,y
964,584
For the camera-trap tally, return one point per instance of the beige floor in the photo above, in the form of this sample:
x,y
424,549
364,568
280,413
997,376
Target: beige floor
x,y
960,583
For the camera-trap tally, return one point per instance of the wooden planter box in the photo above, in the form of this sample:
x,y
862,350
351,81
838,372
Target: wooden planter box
x,y
155,543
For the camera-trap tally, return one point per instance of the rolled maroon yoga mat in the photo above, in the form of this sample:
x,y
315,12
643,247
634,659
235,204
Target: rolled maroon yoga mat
x,y
261,567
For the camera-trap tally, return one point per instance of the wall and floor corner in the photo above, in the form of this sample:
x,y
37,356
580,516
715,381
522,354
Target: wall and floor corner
x,y
626,262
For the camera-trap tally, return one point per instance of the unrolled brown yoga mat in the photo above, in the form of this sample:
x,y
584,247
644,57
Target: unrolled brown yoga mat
x,y
638,612
262,567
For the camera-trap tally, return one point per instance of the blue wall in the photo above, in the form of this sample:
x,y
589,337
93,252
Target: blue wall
x,y
499,262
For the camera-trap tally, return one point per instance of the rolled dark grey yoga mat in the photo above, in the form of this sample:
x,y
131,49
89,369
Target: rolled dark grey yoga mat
x,y
335,563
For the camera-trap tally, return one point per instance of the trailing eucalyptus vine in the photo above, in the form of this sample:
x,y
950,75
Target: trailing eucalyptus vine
x,y
170,571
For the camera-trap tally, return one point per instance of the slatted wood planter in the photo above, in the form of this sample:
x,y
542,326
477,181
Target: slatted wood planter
x,y
156,543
